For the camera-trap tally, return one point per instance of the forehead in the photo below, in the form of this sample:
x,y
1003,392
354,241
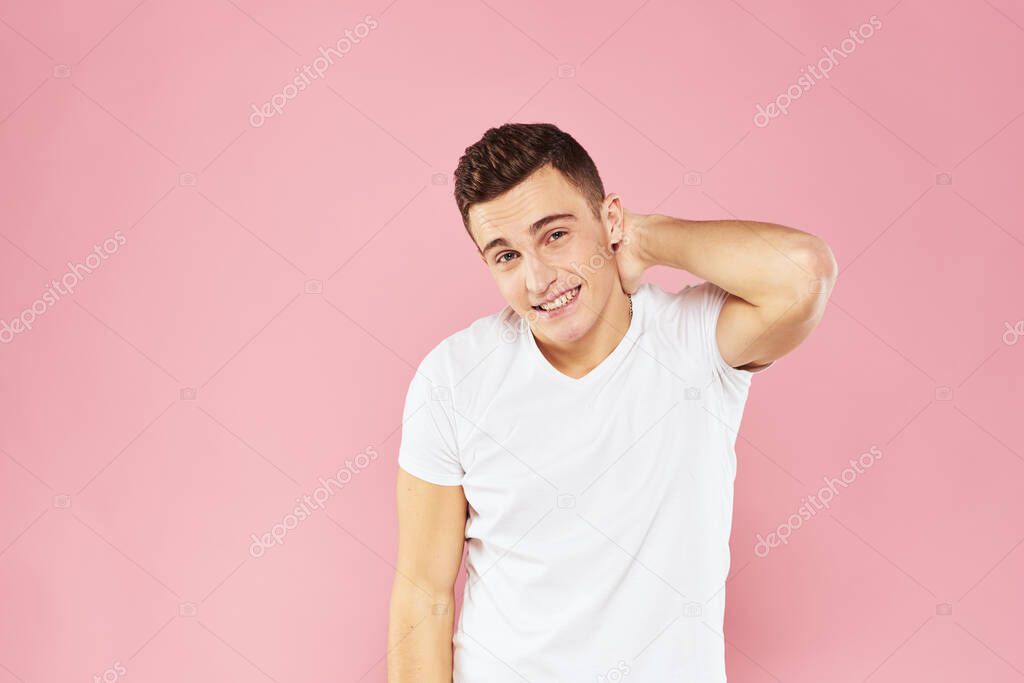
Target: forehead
x,y
542,193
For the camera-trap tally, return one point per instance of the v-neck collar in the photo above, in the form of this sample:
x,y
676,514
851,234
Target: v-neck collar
x,y
609,361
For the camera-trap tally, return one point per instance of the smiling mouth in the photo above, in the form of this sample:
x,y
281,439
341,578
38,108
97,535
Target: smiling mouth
x,y
561,302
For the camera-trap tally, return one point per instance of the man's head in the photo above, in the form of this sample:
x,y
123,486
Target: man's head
x,y
534,205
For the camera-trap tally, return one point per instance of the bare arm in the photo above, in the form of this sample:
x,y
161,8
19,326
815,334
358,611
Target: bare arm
x,y
431,534
779,278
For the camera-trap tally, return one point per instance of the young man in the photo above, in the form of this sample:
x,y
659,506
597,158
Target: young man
x,y
582,439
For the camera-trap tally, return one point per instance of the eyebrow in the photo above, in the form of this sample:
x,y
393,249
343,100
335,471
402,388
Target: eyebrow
x,y
537,226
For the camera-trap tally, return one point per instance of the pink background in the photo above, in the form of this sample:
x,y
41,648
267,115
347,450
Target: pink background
x,y
278,284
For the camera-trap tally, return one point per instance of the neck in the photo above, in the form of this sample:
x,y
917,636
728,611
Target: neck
x,y
579,357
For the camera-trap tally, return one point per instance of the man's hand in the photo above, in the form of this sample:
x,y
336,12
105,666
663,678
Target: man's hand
x,y
629,253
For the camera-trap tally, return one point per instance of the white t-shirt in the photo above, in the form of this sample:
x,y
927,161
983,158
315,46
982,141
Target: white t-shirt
x,y
600,507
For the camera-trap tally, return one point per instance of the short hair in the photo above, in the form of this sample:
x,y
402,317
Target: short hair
x,y
508,154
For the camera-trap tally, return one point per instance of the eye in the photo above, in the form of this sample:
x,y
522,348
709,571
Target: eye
x,y
503,254
558,232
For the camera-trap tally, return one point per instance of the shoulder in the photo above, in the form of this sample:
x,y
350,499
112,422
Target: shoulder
x,y
460,351
683,321
658,303
688,319
692,300
654,298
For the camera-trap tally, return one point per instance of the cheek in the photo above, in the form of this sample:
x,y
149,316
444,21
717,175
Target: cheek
x,y
512,288
592,257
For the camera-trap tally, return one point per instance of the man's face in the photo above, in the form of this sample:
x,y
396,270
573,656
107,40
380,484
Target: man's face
x,y
536,261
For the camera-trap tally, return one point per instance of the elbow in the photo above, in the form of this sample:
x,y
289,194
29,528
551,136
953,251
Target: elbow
x,y
821,271
817,259
824,262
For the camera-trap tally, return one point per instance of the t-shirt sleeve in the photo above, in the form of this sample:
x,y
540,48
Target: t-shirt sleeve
x,y
429,445
696,309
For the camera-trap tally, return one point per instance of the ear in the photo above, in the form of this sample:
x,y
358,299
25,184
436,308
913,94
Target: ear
x,y
612,217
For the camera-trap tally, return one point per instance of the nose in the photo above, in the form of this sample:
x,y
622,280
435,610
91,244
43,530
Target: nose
x,y
539,275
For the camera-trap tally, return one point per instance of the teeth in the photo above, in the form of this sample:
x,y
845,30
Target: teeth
x,y
560,301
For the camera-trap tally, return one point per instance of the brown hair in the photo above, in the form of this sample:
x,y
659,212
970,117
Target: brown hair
x,y
506,155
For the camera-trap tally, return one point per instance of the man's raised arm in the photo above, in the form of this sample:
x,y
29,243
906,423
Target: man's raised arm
x,y
779,278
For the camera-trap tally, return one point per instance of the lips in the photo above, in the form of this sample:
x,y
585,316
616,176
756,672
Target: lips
x,y
562,300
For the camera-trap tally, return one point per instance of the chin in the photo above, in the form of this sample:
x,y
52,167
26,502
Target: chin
x,y
565,331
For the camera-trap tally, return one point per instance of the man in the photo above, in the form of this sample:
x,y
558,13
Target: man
x,y
582,439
